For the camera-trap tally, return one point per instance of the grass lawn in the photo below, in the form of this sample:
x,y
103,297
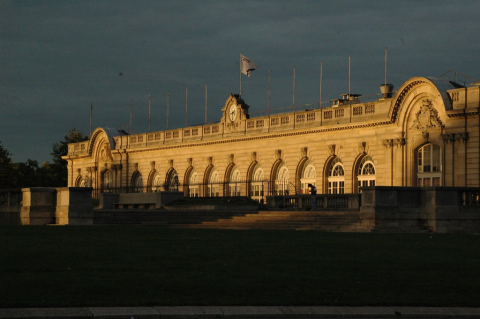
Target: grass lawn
x,y
43,266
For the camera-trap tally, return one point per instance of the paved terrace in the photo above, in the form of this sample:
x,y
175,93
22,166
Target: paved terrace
x,y
241,312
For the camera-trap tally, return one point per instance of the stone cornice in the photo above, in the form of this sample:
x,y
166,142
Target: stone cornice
x,y
254,138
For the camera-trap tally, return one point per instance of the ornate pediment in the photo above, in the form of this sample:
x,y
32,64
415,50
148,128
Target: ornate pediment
x,y
426,117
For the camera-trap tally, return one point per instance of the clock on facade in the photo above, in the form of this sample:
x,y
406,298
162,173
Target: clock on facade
x,y
232,112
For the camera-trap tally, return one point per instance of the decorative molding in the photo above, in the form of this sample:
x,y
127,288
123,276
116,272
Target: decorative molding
x,y
253,157
400,141
152,165
361,147
255,138
401,96
231,158
303,152
209,160
388,143
91,169
331,149
426,117
106,154
190,161
446,138
278,154
426,136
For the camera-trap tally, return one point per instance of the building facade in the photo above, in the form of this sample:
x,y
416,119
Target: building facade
x,y
426,134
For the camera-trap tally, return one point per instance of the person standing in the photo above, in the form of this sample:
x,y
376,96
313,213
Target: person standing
x,y
313,192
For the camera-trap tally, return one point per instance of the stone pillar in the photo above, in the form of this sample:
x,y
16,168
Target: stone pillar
x,y
38,207
74,206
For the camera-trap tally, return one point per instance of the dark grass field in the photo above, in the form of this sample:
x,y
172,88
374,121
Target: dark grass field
x,y
68,266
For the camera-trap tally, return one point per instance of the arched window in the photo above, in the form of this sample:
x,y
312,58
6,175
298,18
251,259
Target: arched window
x,y
107,181
234,182
336,177
308,177
429,166
213,184
172,181
193,185
258,184
137,182
366,172
156,182
281,181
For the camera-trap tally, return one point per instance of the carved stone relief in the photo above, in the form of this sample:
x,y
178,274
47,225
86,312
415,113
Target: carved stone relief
x,y
426,117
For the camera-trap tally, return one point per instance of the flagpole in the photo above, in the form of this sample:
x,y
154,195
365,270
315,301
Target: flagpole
x,y
149,113
268,105
349,84
206,95
293,106
91,111
240,74
131,108
321,73
186,106
348,77
168,105
385,66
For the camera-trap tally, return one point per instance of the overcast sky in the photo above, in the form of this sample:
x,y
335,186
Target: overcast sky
x,y
59,56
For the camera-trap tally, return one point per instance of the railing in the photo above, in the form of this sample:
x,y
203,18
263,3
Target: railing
x,y
324,202
282,195
257,190
10,197
470,197
10,200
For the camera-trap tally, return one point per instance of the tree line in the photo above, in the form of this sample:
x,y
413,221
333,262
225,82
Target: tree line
x,y
31,174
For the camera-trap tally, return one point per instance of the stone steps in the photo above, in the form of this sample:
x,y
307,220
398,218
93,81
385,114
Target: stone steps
x,y
329,221
336,221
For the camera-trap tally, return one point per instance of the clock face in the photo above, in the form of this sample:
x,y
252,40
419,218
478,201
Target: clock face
x,y
232,112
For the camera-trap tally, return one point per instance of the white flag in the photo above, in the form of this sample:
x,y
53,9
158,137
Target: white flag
x,y
247,65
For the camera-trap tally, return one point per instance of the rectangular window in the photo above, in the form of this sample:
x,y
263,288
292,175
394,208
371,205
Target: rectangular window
x,y
369,108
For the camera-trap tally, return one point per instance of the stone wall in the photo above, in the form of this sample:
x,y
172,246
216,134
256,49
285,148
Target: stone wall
x,y
412,209
48,205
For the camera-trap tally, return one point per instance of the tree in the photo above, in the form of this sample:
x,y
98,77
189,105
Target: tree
x,y
27,174
58,172
7,177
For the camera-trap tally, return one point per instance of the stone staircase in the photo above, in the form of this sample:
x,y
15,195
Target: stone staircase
x,y
334,221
